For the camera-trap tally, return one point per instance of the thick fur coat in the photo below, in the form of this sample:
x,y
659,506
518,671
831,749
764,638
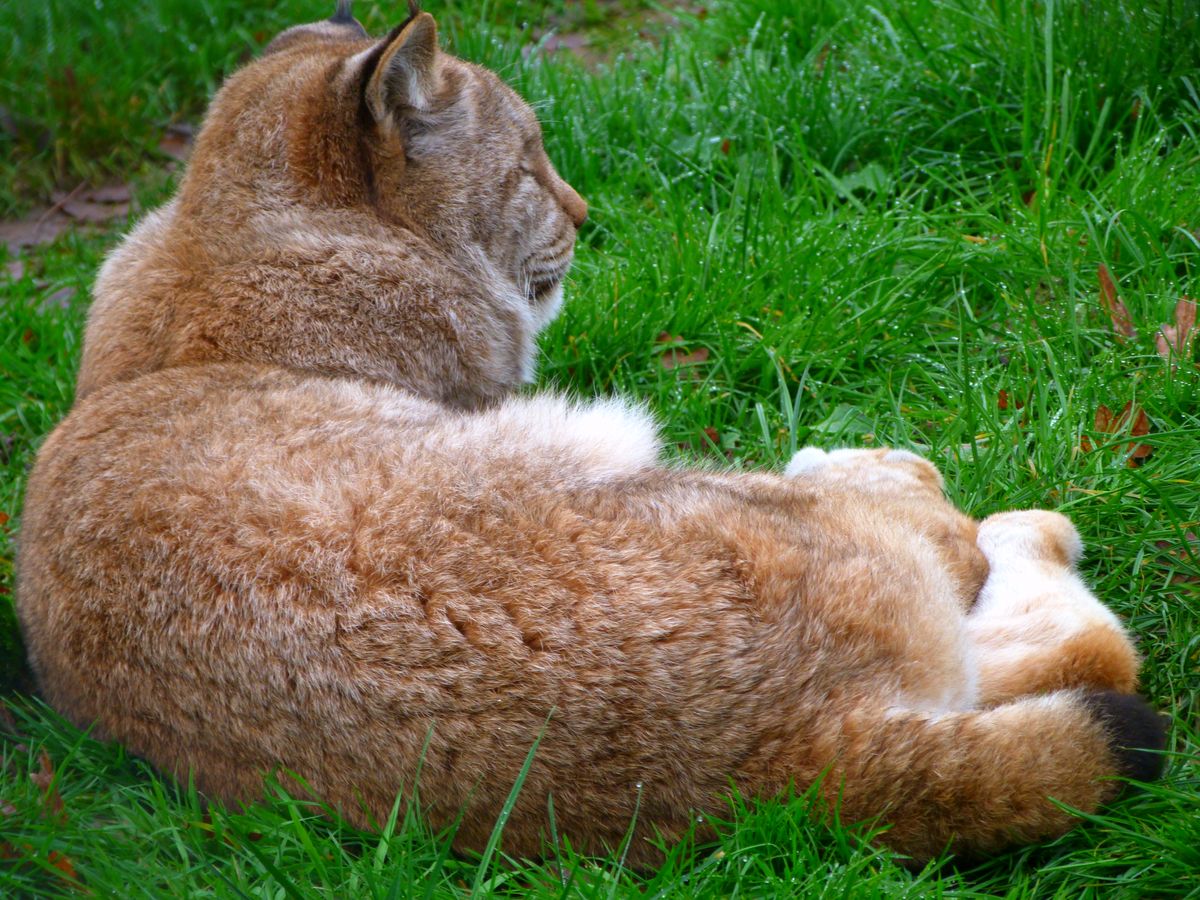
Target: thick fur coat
x,y
298,522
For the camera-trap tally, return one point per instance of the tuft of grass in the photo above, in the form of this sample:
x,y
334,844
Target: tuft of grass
x,y
883,222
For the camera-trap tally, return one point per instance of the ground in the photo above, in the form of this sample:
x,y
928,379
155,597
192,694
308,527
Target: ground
x,y
968,229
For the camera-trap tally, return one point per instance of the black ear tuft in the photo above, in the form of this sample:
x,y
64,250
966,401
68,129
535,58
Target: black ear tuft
x,y
1137,733
414,10
343,17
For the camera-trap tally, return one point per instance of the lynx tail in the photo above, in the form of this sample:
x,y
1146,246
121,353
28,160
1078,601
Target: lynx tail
x,y
975,782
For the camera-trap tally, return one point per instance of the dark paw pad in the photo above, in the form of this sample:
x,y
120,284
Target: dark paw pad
x,y
1137,733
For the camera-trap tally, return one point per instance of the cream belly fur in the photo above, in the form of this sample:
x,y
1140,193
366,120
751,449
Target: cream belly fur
x,y
298,522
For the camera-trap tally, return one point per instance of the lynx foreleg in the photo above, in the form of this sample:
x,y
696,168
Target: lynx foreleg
x,y
1036,627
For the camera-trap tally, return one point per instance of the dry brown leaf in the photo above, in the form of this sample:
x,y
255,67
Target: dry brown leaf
x,y
39,227
678,357
43,225
822,56
44,778
1004,400
109,193
1130,418
1122,322
674,359
1176,340
93,213
177,141
177,148
1181,554
9,851
93,205
63,864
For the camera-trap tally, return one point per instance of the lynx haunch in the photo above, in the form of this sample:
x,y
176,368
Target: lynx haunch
x,y
298,521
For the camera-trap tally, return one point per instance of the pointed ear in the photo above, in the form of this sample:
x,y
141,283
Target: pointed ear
x,y
406,72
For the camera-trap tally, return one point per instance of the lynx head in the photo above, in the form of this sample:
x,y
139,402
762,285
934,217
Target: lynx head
x,y
399,131
370,208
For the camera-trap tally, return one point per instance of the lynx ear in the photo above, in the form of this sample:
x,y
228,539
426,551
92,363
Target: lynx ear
x,y
406,72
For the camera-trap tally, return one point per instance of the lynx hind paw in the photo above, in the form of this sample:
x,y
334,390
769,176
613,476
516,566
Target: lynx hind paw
x,y
1031,533
866,467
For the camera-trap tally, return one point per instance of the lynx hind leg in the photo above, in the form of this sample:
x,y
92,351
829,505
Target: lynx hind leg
x,y
884,468
1036,627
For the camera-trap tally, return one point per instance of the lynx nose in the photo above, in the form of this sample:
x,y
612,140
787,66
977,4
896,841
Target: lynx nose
x,y
574,205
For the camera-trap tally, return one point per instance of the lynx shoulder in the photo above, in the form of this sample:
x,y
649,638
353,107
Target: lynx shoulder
x,y
298,521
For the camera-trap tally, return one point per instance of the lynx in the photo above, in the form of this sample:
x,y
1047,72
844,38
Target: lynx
x,y
299,521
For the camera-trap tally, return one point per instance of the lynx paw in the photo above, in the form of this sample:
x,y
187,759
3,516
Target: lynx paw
x,y
873,468
1036,627
1032,534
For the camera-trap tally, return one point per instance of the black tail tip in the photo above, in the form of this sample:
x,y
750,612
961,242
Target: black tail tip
x,y
1137,733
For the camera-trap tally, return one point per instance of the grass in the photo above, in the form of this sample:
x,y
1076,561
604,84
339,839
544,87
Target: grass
x,y
883,222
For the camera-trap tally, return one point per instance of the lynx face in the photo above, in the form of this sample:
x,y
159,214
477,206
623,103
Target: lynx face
x,y
423,139
474,161
455,144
